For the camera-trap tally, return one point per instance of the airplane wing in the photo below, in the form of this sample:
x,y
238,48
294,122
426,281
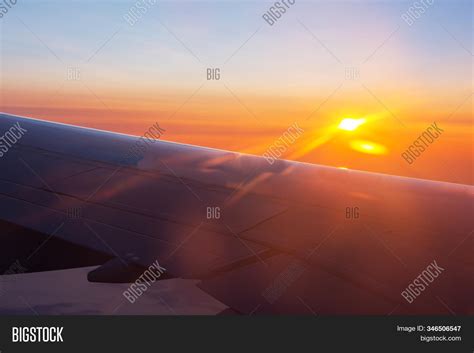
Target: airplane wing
x,y
287,237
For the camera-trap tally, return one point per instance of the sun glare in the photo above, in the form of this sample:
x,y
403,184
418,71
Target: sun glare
x,y
349,124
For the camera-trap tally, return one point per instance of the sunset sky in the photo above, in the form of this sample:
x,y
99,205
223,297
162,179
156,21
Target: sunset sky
x,y
130,77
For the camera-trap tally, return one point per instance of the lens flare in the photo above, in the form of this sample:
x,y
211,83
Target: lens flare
x,y
368,147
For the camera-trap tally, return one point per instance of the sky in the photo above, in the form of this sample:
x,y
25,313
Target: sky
x,y
82,63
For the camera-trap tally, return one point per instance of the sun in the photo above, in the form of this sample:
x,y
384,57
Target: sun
x,y
349,124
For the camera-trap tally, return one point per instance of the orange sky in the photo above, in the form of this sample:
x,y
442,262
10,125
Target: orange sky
x,y
227,123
